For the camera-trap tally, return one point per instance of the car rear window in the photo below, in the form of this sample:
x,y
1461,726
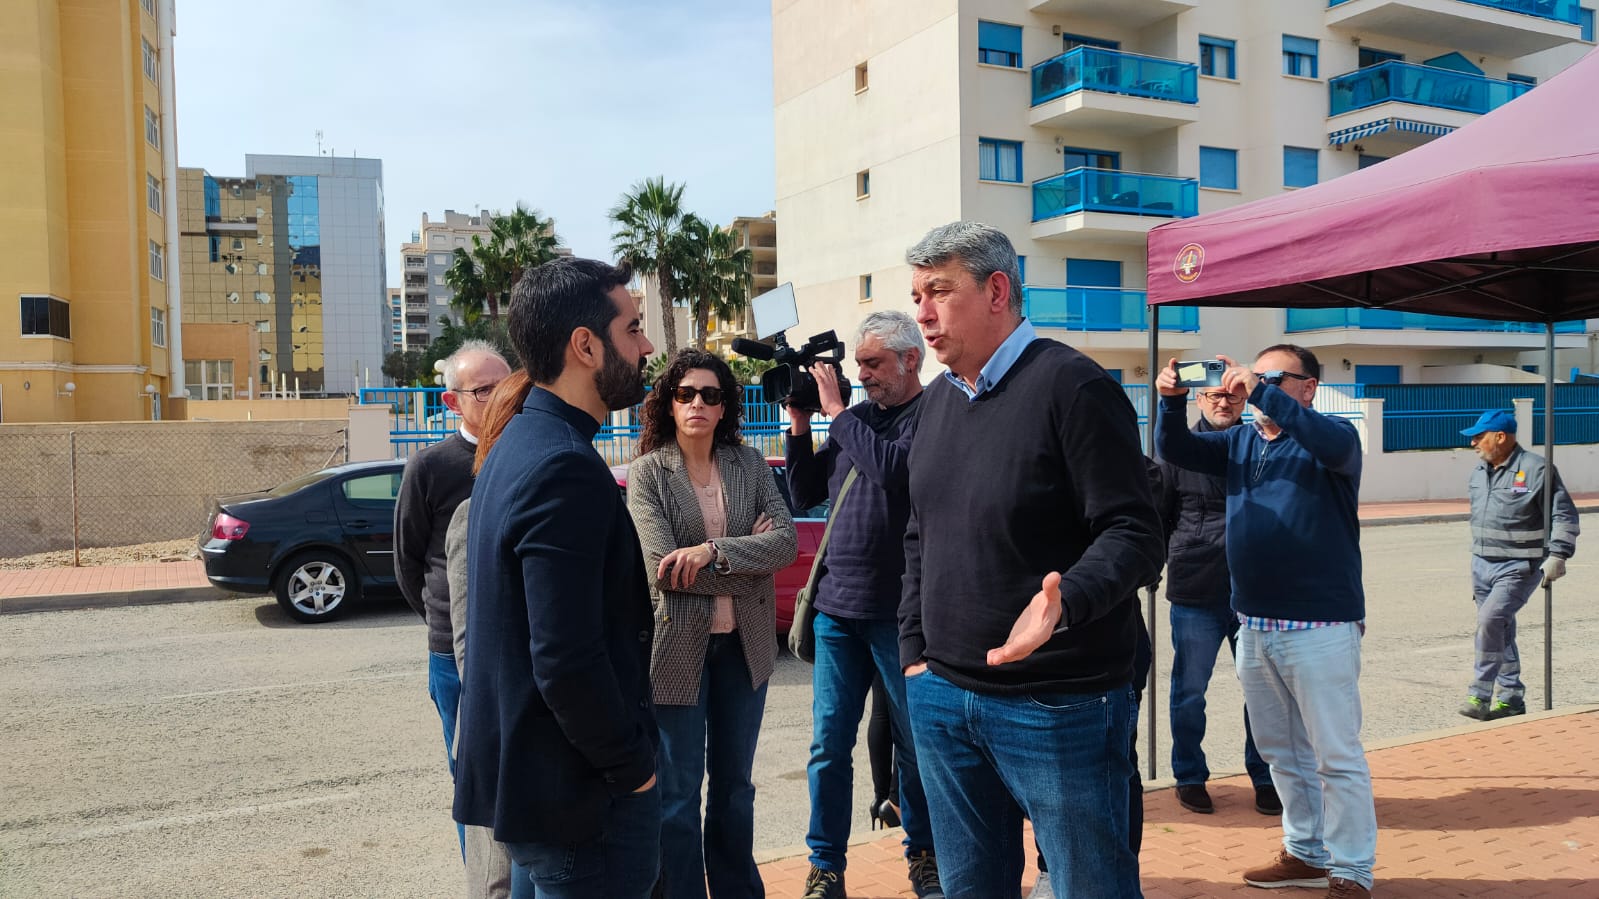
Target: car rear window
x,y
300,483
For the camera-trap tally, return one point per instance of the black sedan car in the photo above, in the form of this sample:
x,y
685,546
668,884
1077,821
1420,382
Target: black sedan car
x,y
319,541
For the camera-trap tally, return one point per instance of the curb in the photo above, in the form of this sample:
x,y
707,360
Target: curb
x,y
17,605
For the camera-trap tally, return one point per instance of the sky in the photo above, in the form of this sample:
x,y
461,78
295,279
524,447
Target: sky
x,y
562,106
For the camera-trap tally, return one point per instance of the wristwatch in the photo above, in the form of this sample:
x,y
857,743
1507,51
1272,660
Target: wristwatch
x,y
718,564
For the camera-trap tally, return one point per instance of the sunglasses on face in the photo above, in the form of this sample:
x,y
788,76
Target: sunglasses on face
x,y
1219,397
1275,378
685,395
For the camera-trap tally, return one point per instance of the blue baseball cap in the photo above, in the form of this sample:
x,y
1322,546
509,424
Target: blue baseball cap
x,y
1492,420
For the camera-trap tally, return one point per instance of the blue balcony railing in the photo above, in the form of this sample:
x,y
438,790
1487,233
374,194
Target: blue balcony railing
x,y
1557,10
1109,190
1114,72
1423,85
1394,320
1100,309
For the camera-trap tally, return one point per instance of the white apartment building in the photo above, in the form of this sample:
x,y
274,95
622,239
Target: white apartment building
x,y
424,261
1077,125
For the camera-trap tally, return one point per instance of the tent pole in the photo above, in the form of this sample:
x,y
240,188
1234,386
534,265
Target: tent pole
x,y
1548,510
1149,616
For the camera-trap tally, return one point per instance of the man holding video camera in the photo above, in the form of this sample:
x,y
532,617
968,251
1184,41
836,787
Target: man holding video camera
x,y
863,469
1293,547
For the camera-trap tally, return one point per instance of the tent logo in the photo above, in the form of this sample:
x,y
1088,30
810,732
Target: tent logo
x,y
1190,262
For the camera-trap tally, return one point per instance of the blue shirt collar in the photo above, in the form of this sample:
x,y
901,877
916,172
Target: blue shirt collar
x,y
998,364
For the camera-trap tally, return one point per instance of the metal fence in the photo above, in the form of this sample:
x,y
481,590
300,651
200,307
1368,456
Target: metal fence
x,y
1431,416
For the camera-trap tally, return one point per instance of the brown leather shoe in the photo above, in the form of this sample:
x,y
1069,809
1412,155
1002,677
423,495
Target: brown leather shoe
x,y
1346,889
1287,871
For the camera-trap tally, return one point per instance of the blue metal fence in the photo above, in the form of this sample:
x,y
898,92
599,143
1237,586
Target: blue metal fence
x,y
1431,416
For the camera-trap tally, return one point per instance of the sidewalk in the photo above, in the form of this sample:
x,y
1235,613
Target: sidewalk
x,y
1506,809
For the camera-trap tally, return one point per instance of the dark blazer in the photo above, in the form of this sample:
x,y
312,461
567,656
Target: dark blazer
x,y
661,498
556,716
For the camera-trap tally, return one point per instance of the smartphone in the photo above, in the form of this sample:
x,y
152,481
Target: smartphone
x,y
1204,373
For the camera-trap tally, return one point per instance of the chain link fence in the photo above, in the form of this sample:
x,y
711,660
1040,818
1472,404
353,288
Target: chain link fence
x,y
112,484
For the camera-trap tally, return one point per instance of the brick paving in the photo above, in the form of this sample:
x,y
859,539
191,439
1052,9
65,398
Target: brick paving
x,y
102,579
1508,809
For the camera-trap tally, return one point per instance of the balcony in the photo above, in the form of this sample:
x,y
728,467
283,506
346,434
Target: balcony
x,y
1120,93
1108,318
1131,13
1109,205
1497,27
1391,327
1434,88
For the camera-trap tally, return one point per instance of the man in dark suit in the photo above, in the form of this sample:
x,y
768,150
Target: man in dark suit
x,y
558,735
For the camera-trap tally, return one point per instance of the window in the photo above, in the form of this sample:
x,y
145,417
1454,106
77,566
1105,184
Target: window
x,y
373,489
999,160
158,263
210,379
1218,168
1299,166
1364,161
999,45
866,288
46,317
438,259
1073,41
1217,57
264,326
152,193
150,70
1585,21
1370,56
152,128
158,327
861,80
863,183
149,6
438,280
1524,79
1299,56
1021,268
1079,158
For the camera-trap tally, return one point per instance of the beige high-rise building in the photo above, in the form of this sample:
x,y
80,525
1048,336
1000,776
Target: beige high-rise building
x,y
758,234
426,258
1077,125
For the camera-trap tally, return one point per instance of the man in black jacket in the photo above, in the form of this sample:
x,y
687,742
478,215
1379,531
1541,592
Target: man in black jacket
x,y
1198,584
436,480
1026,473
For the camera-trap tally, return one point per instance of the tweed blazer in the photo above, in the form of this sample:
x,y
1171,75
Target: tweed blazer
x,y
667,517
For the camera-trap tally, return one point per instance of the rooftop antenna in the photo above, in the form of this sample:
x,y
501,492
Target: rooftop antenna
x,y
319,142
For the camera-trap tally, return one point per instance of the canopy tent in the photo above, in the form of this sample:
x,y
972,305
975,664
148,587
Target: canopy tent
x,y
1497,220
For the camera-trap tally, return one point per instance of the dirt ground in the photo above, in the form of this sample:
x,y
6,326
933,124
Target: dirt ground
x,y
180,550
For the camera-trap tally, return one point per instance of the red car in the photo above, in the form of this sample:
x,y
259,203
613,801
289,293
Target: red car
x,y
808,522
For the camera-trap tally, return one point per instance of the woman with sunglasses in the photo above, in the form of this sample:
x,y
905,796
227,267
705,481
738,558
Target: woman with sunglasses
x,y
714,530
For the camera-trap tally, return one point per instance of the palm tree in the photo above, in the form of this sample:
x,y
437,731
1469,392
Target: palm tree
x,y
518,240
717,279
649,221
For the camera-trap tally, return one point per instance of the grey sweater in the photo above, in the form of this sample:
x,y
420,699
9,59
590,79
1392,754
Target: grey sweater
x,y
455,565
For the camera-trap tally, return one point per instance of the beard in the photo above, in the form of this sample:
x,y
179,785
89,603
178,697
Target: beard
x,y
619,382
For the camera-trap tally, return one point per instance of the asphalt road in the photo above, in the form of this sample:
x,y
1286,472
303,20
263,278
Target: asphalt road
x,y
216,749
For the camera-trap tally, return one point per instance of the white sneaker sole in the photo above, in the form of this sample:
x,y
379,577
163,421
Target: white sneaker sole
x,y
1311,882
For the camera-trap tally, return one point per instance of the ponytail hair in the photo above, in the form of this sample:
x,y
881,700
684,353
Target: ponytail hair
x,y
507,400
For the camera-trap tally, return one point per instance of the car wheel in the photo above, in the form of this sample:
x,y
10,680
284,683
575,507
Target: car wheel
x,y
316,586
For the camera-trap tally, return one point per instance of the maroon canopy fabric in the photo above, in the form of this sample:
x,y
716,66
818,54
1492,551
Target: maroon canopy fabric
x,y
1499,220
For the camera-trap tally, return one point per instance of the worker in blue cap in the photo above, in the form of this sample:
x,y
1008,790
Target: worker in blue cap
x,y
1511,555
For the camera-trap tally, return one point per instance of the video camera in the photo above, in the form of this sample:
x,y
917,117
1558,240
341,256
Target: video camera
x,y
788,382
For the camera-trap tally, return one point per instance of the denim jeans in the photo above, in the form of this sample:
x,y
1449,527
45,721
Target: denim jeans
x,y
444,688
717,734
848,653
1057,758
1500,589
1303,690
623,863
1197,633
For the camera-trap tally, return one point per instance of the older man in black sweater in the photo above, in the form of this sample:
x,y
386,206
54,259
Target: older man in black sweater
x,y
1026,471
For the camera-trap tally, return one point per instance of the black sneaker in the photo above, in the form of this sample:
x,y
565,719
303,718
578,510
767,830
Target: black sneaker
x,y
823,884
1475,707
1195,798
1266,800
924,875
1507,708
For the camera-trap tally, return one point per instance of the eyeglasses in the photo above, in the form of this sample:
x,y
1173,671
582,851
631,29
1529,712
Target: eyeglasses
x,y
685,395
1217,396
481,394
1275,378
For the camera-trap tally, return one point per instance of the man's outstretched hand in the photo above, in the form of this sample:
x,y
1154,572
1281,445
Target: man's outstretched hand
x,y
1034,626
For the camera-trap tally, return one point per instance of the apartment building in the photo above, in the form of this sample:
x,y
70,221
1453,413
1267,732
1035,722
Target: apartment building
x,y
1077,125
426,258
396,320
758,234
87,199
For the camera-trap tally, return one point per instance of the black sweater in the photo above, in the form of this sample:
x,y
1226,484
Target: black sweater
x,y
436,480
1194,510
1042,473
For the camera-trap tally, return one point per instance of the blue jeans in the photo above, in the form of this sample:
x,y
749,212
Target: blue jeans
x,y
1500,589
1197,633
717,733
1057,758
623,862
444,688
1303,689
848,653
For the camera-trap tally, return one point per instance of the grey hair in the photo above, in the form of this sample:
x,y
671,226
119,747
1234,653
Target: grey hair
x,y
980,249
897,331
467,350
